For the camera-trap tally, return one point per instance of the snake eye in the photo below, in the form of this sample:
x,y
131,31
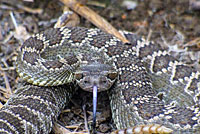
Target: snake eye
x,y
78,76
112,75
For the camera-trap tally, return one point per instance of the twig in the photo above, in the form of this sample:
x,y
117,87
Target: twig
x,y
30,10
8,37
13,20
21,34
149,35
1,105
58,128
3,99
68,18
8,88
85,119
3,89
94,18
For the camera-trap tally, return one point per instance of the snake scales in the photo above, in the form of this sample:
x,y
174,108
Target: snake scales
x,y
152,86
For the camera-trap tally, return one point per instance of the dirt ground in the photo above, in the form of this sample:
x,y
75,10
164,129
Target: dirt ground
x,y
168,22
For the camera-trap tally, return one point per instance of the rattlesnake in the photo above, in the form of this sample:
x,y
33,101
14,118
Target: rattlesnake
x,y
152,86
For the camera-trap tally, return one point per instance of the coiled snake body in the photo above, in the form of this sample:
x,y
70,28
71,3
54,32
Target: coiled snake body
x,y
152,86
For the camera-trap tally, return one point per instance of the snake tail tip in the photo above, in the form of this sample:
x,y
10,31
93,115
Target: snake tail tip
x,y
164,130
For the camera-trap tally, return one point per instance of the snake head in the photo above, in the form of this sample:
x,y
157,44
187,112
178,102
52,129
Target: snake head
x,y
95,77
96,74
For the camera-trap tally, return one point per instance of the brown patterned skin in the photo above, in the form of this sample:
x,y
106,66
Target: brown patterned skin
x,y
33,109
146,72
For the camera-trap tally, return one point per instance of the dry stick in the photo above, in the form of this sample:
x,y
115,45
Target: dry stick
x,y
149,35
1,105
60,129
8,88
68,18
3,91
85,119
30,10
94,18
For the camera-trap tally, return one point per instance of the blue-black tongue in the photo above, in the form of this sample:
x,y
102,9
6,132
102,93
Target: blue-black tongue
x,y
94,107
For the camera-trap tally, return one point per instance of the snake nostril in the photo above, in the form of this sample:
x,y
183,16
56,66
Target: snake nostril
x,y
86,81
104,82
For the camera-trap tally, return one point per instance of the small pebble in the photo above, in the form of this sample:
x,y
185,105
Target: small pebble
x,y
130,5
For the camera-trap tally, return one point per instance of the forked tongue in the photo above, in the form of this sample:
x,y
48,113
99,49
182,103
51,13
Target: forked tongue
x,y
94,107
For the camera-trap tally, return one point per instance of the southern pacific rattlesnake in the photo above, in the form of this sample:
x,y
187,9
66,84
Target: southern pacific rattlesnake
x,y
133,100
